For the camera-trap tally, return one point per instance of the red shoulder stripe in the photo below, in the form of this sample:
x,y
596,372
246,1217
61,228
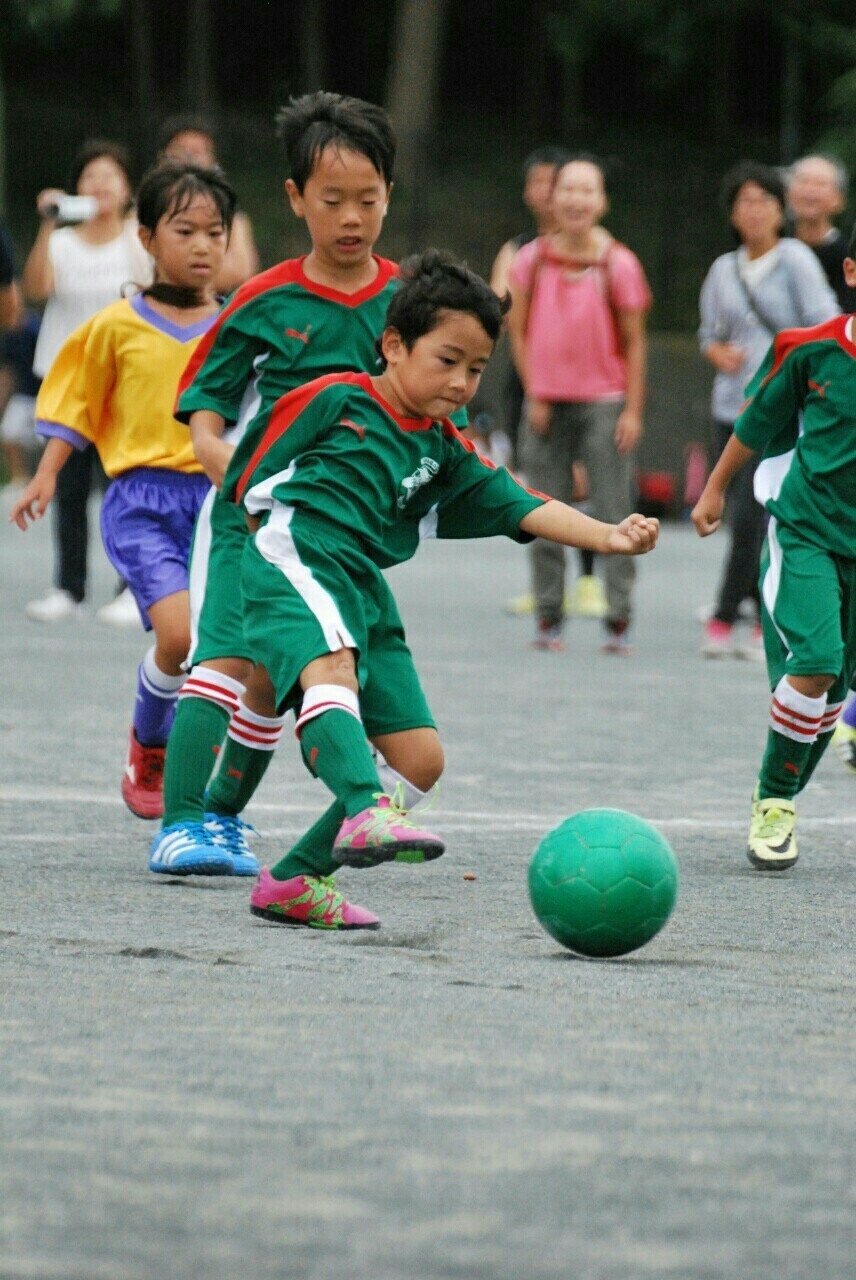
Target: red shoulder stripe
x,y
789,340
286,410
450,431
283,273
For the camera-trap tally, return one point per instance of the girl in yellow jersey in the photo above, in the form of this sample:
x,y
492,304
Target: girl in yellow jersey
x,y
113,384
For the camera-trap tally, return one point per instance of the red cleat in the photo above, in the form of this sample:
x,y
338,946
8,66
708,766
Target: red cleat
x,y
142,785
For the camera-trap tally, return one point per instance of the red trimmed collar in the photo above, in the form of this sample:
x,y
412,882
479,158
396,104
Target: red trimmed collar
x,y
406,424
385,272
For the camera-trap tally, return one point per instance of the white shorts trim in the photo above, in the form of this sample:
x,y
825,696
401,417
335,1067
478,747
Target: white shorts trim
x,y
197,575
276,544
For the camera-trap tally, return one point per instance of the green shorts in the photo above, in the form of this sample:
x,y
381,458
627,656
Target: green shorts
x,y
216,613
808,610
309,590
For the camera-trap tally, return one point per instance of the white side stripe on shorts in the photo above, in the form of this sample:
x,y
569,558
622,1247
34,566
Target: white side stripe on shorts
x,y
276,544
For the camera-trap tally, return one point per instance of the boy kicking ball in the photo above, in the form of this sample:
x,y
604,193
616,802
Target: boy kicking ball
x,y
345,476
801,415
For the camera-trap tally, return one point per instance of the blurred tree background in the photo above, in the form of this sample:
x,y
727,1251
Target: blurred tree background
x,y
670,94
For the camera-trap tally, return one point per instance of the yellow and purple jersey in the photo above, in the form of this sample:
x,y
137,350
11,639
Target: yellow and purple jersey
x,y
113,385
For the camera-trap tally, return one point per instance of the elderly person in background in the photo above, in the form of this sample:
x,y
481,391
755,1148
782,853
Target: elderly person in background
x,y
817,193
766,284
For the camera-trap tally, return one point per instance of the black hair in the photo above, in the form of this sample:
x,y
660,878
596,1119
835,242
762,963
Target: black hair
x,y
554,156
315,121
433,283
851,248
98,149
763,175
167,190
174,125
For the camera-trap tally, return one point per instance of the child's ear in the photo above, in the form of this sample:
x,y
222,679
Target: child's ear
x,y
145,237
392,346
295,199
849,265
386,202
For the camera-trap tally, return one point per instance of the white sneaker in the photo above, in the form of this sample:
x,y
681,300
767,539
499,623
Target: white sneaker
x,y
56,606
751,647
121,612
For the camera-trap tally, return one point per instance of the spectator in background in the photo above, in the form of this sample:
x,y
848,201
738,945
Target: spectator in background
x,y
768,283
190,140
77,270
10,301
19,387
539,178
817,193
577,329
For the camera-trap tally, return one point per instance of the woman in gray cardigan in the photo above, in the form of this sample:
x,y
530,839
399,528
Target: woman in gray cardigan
x,y
767,284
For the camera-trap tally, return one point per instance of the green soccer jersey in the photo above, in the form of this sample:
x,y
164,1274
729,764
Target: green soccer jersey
x,y
801,414
279,331
336,449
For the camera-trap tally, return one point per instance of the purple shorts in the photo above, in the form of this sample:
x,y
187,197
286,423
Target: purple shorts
x,y
147,520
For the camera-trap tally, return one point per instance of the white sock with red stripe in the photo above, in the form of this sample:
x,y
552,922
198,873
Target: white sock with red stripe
x,y
204,682
795,715
326,697
248,728
830,716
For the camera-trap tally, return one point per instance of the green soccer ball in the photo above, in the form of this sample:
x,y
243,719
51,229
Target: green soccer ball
x,y
603,883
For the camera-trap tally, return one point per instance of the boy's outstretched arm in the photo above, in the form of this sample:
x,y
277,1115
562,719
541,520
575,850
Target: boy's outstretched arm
x,y
35,500
707,512
560,523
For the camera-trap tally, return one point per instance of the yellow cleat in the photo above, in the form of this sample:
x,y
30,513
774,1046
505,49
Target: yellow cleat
x,y
772,843
844,742
524,606
589,597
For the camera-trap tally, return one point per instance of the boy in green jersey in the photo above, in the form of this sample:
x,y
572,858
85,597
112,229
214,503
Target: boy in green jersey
x,y
346,477
304,318
801,414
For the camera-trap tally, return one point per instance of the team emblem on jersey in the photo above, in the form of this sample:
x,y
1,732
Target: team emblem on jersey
x,y
424,473
301,337
820,389
354,426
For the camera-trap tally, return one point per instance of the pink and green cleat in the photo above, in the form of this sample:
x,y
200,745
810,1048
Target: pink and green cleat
x,y
384,833
311,900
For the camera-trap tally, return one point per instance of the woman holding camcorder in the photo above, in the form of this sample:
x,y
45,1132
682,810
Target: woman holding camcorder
x,y
86,251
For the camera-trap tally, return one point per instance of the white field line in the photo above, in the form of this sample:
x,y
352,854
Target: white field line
x,y
460,820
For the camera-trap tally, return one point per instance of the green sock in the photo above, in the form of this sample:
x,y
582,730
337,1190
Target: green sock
x,y
815,755
191,754
335,748
241,770
783,767
312,855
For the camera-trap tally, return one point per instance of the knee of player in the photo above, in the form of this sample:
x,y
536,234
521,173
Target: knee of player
x,y
332,668
173,645
427,768
812,686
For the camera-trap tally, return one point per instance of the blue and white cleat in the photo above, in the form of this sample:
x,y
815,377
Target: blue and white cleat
x,y
188,849
228,833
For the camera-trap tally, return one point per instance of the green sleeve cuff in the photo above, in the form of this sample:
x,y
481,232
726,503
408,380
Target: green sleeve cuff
x,y
192,401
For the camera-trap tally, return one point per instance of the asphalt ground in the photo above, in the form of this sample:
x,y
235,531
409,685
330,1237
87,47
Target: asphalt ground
x,y
187,1092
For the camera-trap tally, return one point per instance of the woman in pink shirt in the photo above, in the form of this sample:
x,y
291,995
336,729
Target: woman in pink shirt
x,y
578,339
